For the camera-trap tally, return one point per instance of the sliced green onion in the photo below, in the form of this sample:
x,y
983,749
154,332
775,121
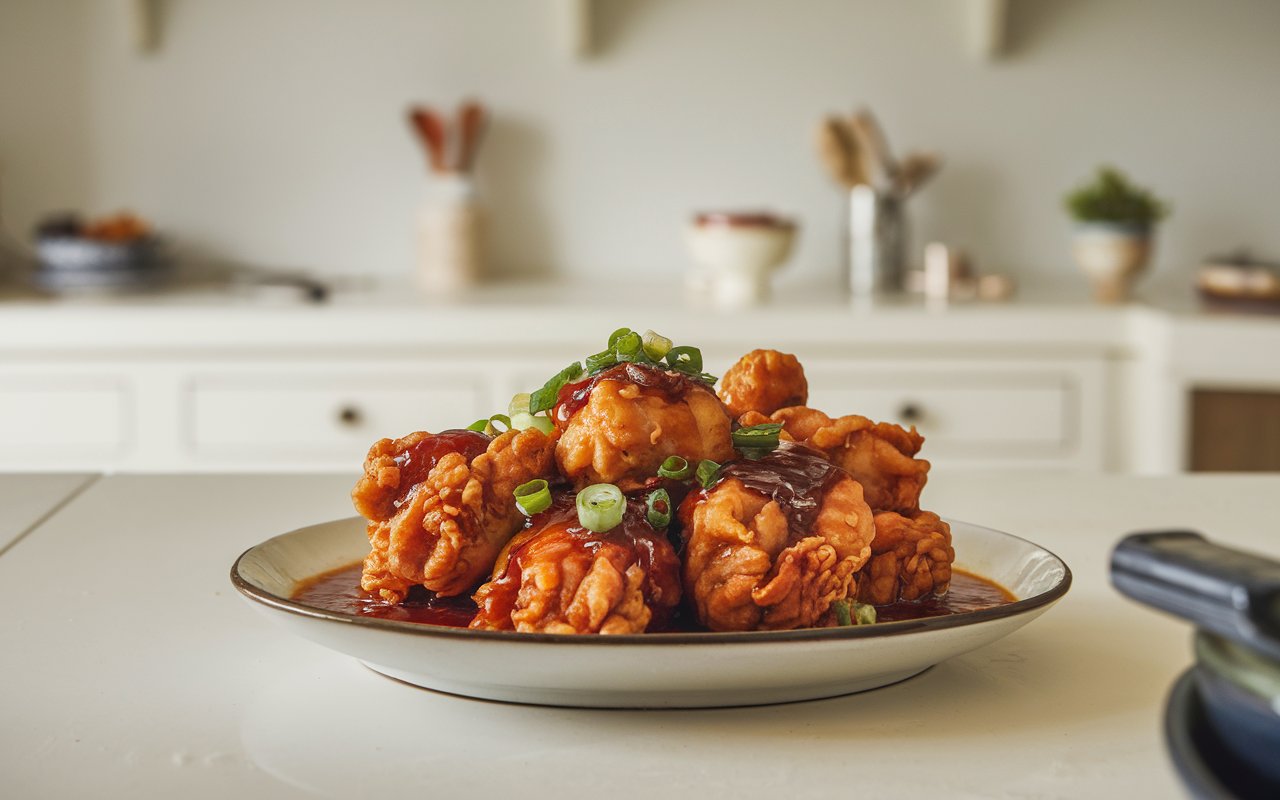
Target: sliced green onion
x,y
519,403
685,359
756,438
545,398
600,507
630,348
708,378
843,618
523,420
616,335
659,509
864,614
708,473
674,467
601,361
655,347
486,425
533,497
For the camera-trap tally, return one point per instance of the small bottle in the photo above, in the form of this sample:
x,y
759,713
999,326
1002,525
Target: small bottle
x,y
449,227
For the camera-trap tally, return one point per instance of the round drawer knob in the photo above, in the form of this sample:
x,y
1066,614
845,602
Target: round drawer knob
x,y
910,412
350,416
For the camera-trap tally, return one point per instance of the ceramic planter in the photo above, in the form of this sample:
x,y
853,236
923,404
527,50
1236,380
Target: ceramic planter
x,y
1112,255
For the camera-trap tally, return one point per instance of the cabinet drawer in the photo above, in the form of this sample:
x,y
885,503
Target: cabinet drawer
x,y
965,415
61,420
334,419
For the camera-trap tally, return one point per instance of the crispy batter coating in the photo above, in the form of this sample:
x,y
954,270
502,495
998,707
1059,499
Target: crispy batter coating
x,y
745,570
558,577
625,430
764,381
448,527
879,455
910,558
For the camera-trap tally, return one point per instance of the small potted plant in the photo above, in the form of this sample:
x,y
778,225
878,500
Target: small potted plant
x,y
1114,221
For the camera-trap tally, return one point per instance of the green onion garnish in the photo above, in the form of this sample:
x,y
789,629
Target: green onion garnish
x,y
545,398
519,403
659,509
600,507
756,440
533,497
864,613
686,359
523,420
616,335
675,468
708,473
601,361
629,347
486,426
656,347
843,618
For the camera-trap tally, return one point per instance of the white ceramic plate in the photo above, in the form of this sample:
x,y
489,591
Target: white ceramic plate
x,y
666,670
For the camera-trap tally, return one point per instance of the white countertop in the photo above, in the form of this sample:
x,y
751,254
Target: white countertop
x,y
26,499
132,669
394,317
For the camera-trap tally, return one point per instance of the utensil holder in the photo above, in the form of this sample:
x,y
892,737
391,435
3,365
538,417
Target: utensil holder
x,y
449,248
877,243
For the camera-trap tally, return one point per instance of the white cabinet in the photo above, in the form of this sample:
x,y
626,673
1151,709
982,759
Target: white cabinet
x,y
299,413
978,412
56,420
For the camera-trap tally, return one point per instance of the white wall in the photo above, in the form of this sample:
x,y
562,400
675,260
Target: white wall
x,y
271,131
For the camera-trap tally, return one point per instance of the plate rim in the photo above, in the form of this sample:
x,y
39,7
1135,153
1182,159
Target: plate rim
x,y
876,631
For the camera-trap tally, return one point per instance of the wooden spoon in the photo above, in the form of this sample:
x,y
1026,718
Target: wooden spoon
x,y
430,128
471,123
839,152
916,169
873,150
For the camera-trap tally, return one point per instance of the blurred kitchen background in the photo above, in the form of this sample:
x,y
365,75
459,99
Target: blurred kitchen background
x,y
295,282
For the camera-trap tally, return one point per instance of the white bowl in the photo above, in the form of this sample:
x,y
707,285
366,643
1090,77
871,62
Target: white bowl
x,y
657,670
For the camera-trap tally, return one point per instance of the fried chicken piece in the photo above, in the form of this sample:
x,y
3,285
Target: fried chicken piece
x,y
879,455
558,577
910,558
440,506
764,381
620,425
758,562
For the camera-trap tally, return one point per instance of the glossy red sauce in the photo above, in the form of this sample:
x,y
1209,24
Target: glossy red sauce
x,y
671,384
416,462
339,591
557,534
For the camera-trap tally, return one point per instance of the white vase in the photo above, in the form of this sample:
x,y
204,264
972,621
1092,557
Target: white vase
x,y
1112,255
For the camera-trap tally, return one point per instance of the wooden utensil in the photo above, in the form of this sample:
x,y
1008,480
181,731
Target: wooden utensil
x,y
471,124
915,170
873,150
430,128
838,152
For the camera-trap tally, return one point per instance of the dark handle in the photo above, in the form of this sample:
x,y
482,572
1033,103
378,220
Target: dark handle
x,y
1229,592
350,416
910,412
